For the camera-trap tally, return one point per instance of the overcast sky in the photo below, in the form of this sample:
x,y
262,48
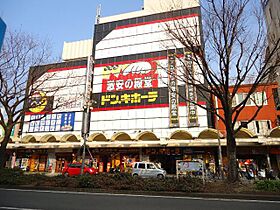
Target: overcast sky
x,y
60,20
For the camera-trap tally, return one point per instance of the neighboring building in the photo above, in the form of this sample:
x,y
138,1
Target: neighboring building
x,y
272,16
271,9
268,117
2,31
79,50
262,125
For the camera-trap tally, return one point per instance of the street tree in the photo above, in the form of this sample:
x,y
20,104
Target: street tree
x,y
225,48
20,82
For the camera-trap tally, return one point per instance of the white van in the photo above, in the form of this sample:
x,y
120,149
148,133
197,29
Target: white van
x,y
147,169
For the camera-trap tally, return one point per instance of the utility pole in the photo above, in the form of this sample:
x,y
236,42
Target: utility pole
x,y
220,157
88,99
220,153
88,102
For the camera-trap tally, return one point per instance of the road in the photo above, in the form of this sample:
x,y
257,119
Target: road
x,y
35,199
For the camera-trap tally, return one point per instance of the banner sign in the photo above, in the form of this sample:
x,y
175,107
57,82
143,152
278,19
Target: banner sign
x,y
173,92
143,97
39,102
52,122
184,166
89,80
134,76
191,94
58,89
128,86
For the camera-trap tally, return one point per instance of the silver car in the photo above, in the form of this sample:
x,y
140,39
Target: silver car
x,y
147,169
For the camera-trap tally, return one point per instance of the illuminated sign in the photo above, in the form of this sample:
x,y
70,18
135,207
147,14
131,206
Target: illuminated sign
x,y
128,85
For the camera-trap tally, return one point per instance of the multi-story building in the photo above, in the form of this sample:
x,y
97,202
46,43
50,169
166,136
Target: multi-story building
x,y
135,112
262,126
2,31
272,17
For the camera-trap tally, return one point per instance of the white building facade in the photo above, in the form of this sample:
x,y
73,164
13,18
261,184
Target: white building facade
x,y
136,111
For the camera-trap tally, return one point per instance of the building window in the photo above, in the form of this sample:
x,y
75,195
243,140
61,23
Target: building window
x,y
268,124
276,98
257,127
261,127
244,124
258,98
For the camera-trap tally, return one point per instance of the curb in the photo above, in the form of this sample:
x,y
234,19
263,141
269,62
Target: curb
x,y
241,196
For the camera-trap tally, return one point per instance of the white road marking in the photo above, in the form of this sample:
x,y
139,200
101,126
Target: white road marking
x,y
144,196
14,208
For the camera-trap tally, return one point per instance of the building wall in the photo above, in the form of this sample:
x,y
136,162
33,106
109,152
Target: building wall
x,y
137,53
269,111
77,50
152,7
134,50
272,15
272,8
167,5
64,105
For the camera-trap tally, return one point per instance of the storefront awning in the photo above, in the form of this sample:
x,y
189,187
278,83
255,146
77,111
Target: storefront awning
x,y
69,138
209,133
275,132
97,137
121,136
181,134
147,136
244,133
28,139
48,138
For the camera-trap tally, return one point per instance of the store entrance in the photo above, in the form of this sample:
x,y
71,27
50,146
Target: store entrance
x,y
167,162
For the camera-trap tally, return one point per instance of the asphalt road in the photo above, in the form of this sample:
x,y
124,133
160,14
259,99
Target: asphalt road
x,y
35,199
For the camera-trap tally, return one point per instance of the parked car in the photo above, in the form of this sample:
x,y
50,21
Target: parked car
x,y
147,169
74,169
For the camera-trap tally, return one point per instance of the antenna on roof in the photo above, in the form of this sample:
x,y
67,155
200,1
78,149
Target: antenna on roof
x,y
98,14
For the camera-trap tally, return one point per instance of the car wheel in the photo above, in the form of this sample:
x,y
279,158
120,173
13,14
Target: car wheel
x,y
135,175
66,174
87,174
160,176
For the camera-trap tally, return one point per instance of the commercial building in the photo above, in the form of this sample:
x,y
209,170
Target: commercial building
x,y
135,111
2,31
272,17
264,127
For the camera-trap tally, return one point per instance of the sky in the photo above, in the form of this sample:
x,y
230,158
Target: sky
x,y
60,20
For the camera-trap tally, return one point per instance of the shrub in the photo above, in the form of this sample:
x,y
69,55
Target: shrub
x,y
11,177
119,181
85,181
268,185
